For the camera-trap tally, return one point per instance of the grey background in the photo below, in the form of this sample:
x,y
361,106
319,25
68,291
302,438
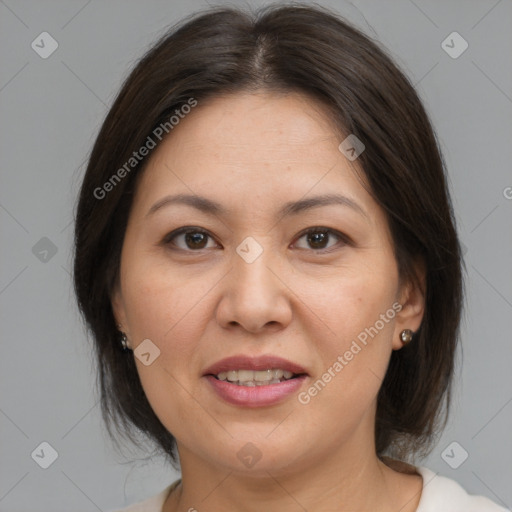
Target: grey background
x,y
50,112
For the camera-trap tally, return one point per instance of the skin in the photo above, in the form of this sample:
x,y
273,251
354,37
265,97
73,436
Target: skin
x,y
198,304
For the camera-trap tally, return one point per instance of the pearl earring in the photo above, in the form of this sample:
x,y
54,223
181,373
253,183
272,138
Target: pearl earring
x,y
406,336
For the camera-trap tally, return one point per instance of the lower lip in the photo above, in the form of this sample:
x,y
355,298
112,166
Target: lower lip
x,y
255,396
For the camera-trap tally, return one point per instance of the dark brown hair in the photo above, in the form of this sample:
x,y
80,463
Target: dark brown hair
x,y
283,49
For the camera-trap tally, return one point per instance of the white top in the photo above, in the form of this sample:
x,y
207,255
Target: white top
x,y
440,494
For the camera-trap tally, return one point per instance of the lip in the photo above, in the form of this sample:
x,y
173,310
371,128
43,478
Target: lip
x,y
257,396
243,362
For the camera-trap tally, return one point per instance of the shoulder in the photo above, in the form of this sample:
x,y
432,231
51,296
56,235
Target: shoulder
x,y
153,504
442,494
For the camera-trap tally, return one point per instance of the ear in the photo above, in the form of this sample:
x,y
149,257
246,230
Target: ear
x,y
412,300
118,308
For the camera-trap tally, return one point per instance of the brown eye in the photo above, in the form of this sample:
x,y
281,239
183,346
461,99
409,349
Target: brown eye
x,y
319,238
188,239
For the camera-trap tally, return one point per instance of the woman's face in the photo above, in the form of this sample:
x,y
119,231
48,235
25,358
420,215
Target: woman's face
x,y
248,280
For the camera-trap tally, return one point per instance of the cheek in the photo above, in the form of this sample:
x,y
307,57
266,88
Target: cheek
x,y
168,314
360,317
172,312
353,302
158,301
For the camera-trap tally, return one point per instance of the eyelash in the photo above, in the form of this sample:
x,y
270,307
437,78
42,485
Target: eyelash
x,y
344,239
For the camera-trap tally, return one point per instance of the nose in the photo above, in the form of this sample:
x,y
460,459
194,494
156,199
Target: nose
x,y
255,295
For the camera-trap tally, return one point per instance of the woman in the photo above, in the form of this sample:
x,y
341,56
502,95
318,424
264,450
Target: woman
x,y
267,259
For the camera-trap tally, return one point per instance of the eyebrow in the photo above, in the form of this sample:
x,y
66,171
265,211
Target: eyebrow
x,y
209,206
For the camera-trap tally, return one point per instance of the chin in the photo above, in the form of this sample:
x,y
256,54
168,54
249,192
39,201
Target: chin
x,y
257,456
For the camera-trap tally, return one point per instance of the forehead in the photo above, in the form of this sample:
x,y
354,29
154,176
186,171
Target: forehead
x,y
262,118
260,145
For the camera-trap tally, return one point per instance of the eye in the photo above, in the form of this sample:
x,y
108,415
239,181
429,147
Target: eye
x,y
319,237
192,238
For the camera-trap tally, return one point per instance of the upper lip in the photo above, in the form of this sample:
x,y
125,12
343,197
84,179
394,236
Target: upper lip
x,y
243,362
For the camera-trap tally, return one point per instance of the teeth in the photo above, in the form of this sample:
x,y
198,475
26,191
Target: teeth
x,y
232,376
255,378
278,374
245,375
262,376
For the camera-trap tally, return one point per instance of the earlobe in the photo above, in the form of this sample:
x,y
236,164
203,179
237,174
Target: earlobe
x,y
118,308
412,300
120,319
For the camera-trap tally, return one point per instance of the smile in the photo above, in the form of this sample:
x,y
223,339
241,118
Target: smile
x,y
255,381
253,378
254,393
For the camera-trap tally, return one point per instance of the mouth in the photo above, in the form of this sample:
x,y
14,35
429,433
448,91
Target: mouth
x,y
255,381
253,378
